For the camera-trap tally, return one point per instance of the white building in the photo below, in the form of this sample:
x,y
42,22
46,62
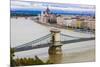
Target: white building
x,y
90,24
60,20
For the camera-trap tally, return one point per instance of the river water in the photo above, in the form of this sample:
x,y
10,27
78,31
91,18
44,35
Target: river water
x,y
26,30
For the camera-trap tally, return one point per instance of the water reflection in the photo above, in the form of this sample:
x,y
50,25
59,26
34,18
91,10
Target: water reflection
x,y
55,54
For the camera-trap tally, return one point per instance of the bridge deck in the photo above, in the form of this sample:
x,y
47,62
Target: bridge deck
x,y
48,44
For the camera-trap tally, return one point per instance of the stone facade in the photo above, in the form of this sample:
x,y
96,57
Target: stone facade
x,y
60,20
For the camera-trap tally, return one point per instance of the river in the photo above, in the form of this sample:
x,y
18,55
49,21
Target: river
x,y
26,30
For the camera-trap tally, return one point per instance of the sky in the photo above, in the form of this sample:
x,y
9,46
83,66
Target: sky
x,y
88,2
68,5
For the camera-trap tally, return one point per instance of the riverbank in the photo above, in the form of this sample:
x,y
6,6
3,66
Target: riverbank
x,y
65,27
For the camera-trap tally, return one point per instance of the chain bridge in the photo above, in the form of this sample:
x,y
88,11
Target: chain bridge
x,y
47,41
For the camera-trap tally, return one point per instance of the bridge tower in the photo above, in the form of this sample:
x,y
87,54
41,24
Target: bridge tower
x,y
55,51
56,41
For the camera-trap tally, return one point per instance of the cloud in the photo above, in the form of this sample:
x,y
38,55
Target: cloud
x,y
37,5
20,3
88,2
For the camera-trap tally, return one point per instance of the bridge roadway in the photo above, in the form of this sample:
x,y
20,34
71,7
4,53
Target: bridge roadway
x,y
48,44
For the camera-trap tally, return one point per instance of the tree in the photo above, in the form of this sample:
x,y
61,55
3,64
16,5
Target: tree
x,y
12,62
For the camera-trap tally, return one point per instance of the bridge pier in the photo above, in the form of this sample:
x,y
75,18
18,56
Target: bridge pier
x,y
55,51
